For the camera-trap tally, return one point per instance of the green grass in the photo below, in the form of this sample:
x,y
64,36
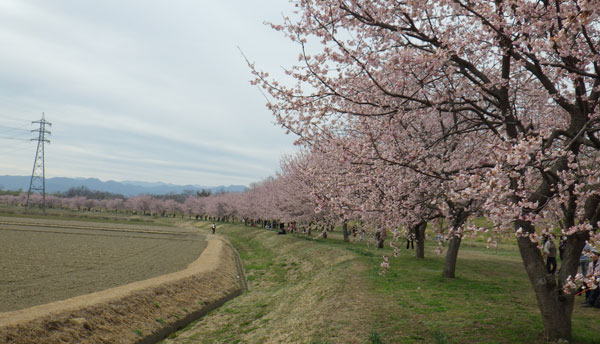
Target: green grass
x,y
490,301
295,289
301,288
312,290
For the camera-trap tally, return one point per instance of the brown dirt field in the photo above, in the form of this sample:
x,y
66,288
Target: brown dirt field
x,y
66,223
135,313
47,260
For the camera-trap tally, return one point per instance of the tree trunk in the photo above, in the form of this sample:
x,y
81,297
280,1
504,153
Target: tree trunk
x,y
380,236
556,307
345,231
451,257
459,218
419,235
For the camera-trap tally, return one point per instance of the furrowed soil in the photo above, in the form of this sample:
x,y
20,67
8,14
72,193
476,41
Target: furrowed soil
x,y
326,291
44,260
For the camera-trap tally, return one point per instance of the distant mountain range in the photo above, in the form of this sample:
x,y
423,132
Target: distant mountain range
x,y
126,188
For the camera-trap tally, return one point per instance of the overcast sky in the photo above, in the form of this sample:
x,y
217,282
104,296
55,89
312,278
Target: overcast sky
x,y
141,90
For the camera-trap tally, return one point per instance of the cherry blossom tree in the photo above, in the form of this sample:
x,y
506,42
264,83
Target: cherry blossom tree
x,y
523,75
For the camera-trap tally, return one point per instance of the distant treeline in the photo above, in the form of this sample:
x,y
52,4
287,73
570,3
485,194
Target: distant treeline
x,y
181,197
9,192
82,191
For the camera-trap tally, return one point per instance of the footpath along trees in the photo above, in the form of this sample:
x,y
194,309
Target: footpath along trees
x,y
524,75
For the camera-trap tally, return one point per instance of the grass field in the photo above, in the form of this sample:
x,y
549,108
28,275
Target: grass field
x,y
302,290
48,259
319,291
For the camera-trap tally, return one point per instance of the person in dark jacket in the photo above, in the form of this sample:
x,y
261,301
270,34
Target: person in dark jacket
x,y
550,253
562,246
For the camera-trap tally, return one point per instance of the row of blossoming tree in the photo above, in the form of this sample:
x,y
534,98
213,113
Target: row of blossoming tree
x,y
414,110
321,187
215,208
419,110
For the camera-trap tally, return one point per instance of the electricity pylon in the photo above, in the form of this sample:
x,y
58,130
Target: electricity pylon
x,y
38,175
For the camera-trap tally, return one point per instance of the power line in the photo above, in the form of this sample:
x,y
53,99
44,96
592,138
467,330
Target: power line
x,y
24,121
9,132
15,149
13,138
6,127
13,133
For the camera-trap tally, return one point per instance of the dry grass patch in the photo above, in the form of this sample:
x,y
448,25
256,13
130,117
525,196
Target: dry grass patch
x,y
299,292
318,291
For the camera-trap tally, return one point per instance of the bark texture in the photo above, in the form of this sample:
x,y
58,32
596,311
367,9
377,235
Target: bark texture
x,y
345,231
555,306
419,235
459,217
451,257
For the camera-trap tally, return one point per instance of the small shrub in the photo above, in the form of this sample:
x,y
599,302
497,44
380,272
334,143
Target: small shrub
x,y
441,338
375,338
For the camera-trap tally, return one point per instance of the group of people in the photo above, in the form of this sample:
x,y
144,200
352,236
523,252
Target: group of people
x,y
589,265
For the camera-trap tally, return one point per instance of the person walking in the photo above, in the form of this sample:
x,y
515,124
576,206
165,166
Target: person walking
x,y
213,228
592,296
410,240
550,253
562,246
584,259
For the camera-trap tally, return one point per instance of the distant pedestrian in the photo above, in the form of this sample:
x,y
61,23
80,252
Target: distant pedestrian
x,y
213,228
550,253
439,238
584,259
410,240
592,296
282,228
562,247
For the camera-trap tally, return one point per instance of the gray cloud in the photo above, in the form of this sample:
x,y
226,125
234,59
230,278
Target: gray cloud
x,y
148,90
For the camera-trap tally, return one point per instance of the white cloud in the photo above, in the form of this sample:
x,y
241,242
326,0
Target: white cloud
x,y
152,90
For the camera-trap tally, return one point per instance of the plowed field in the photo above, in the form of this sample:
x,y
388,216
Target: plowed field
x,y
48,260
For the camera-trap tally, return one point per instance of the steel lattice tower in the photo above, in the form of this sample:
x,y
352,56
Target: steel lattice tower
x,y
38,174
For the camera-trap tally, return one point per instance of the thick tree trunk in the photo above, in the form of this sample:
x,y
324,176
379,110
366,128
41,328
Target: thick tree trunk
x,y
459,218
451,257
556,307
345,231
419,235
